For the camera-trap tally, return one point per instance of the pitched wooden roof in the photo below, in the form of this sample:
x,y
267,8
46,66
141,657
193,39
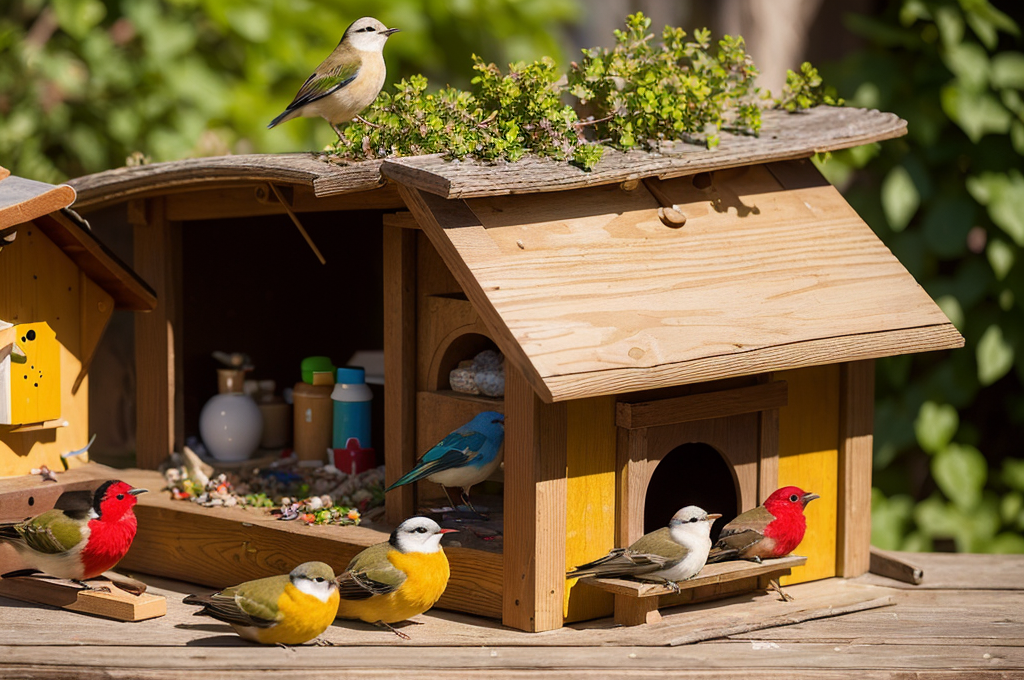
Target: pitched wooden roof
x,y
589,293
45,205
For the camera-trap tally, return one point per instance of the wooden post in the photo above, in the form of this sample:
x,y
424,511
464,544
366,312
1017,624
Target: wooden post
x,y
535,507
157,259
399,368
856,422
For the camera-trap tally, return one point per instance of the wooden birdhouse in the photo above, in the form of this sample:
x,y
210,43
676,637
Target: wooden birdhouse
x,y
695,327
59,287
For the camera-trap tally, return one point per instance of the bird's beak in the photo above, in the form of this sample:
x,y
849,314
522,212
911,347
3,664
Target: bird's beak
x,y
390,31
448,531
136,492
808,497
712,517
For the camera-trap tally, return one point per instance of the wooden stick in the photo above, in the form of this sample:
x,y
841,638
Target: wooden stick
x,y
116,604
295,220
888,565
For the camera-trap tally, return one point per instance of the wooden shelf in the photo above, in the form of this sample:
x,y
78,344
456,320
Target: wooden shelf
x,y
721,572
496,403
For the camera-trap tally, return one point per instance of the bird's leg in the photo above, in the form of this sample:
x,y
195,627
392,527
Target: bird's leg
x,y
465,499
755,559
320,642
673,585
86,586
382,624
334,127
366,122
455,506
773,584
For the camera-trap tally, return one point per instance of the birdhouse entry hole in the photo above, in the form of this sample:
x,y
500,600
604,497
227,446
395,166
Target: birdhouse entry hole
x,y
462,348
690,474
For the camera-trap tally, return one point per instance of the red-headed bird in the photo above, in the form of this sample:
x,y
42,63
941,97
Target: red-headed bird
x,y
86,533
773,529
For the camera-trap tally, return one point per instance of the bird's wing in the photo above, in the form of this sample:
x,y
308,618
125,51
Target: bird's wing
x,y
741,533
75,504
370,573
329,77
651,552
51,532
455,450
253,603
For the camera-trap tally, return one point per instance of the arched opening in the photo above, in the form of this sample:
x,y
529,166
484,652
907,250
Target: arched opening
x,y
690,474
463,347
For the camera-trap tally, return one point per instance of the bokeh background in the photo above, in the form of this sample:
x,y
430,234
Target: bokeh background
x,y
84,84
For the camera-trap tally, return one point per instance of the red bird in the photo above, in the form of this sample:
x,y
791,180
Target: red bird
x,y
774,529
86,533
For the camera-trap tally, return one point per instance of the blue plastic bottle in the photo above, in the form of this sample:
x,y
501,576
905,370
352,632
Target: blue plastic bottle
x,y
352,398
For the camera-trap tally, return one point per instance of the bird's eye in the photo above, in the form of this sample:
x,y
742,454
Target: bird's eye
x,y
421,530
319,579
692,519
120,496
794,498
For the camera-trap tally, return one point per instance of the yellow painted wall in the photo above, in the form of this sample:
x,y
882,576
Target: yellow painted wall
x,y
590,499
809,458
38,282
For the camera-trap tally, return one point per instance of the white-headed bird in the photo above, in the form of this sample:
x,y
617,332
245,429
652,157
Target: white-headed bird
x,y
669,555
278,610
348,80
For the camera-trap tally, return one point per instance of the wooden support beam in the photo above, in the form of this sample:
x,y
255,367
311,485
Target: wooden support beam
x,y
770,395
157,259
856,423
399,368
535,507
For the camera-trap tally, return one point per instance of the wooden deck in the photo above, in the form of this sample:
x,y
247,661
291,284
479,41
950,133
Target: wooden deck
x,y
966,620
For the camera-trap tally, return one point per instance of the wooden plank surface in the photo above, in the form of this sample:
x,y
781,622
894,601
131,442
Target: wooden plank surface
x,y
22,200
113,603
593,295
326,179
720,572
783,136
856,425
770,395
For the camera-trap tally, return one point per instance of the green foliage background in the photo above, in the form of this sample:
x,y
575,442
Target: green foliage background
x,y
85,83
948,199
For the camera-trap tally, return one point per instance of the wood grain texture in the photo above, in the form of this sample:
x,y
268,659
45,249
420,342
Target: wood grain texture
x,y
783,136
592,295
399,368
535,508
98,262
305,169
219,547
720,572
23,200
115,604
856,425
39,282
590,499
809,459
888,564
157,337
250,200
97,307
771,395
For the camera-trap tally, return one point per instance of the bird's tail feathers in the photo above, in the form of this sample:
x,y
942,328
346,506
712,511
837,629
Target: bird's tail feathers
x,y
413,475
9,533
722,555
615,563
286,115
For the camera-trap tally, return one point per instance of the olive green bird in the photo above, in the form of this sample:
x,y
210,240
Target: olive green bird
x,y
287,610
347,81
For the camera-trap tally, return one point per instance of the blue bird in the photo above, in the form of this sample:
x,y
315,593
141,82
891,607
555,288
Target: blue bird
x,y
465,457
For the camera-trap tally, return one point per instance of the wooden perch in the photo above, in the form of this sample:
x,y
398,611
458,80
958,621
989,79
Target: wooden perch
x,y
886,564
116,604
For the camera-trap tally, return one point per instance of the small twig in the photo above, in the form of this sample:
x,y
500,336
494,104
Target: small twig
x,y
584,123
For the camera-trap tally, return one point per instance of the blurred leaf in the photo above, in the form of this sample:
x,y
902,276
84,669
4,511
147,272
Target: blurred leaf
x,y
889,519
1001,257
995,356
969,63
1008,70
1003,194
946,224
1007,544
1010,506
1013,473
78,17
976,114
900,198
950,306
935,426
960,471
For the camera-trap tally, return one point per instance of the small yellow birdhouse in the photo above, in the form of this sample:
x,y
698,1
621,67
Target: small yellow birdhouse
x,y
692,327
59,287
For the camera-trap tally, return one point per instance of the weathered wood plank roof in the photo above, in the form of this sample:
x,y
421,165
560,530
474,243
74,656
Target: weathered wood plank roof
x,y
783,136
22,200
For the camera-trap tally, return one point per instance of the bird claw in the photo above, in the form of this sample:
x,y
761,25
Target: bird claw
x,y
773,584
397,632
320,642
92,588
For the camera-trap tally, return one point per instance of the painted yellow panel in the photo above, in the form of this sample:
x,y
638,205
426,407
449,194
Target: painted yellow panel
x,y
35,381
38,282
590,499
809,458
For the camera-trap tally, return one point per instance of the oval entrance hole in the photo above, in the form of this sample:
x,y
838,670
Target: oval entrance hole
x,y
691,474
